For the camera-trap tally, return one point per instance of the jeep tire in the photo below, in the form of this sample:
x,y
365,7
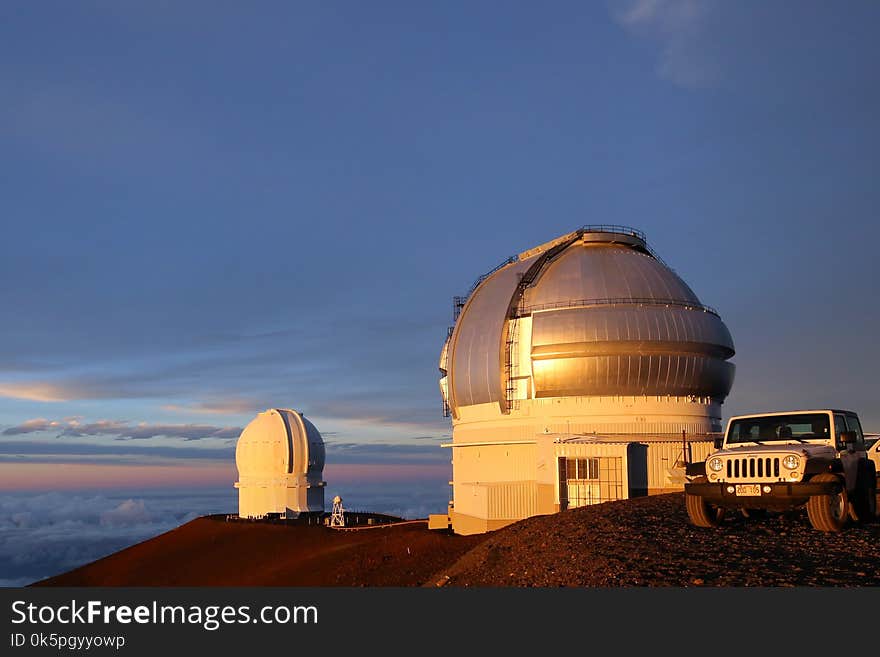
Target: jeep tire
x,y
828,513
700,512
864,500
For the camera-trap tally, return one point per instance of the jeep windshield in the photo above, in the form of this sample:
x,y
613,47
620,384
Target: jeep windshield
x,y
801,427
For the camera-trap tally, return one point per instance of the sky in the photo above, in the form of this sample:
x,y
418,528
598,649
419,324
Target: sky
x,y
214,208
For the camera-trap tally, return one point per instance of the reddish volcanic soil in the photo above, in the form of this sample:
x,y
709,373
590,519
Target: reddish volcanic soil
x,y
640,542
211,552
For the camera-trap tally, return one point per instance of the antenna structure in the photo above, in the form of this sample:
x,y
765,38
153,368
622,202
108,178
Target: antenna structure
x,y
337,515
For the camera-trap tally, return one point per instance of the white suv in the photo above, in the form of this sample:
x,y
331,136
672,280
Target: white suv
x,y
784,460
872,444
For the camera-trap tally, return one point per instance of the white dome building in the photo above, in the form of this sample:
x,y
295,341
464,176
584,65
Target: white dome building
x,y
280,461
571,374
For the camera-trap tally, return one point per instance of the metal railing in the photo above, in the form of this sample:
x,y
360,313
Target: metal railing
x,y
482,278
620,301
459,301
613,228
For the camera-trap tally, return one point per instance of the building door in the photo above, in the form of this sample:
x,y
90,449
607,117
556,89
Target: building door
x,y
562,478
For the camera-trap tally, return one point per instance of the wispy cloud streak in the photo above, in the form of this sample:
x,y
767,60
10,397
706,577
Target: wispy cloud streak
x,y
678,28
121,429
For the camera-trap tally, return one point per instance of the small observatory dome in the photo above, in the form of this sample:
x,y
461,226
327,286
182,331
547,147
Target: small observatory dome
x,y
280,461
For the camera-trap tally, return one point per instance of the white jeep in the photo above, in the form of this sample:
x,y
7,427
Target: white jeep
x,y
778,461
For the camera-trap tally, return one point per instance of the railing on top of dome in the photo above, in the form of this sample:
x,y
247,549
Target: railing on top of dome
x,y
624,230
482,278
626,301
459,301
613,228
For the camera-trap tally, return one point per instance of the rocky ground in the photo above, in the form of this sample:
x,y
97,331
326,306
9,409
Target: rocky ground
x,y
649,542
643,542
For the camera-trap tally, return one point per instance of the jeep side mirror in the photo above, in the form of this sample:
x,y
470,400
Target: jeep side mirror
x,y
719,442
846,440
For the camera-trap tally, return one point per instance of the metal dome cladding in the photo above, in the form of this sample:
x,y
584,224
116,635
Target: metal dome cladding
x,y
608,317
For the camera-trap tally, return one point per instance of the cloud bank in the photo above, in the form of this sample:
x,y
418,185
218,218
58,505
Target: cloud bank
x,y
121,429
42,535
46,534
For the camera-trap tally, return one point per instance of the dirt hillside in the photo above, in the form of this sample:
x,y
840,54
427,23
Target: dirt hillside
x,y
649,542
640,542
212,552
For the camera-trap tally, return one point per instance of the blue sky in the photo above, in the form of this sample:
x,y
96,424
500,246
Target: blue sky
x,y
210,209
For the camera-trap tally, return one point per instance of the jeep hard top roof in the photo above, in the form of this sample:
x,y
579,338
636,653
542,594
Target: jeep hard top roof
x,y
815,410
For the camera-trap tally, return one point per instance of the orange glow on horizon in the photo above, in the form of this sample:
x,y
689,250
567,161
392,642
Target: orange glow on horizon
x,y
72,476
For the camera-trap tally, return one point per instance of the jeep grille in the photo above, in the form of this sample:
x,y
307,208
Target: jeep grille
x,y
751,468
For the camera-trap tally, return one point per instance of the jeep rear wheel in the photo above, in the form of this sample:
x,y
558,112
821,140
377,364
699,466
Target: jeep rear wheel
x,y
828,513
864,502
700,512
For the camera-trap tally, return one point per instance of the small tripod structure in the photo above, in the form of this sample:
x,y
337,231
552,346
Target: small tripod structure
x,y
337,516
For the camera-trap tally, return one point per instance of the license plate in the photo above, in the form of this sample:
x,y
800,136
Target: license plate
x,y
748,490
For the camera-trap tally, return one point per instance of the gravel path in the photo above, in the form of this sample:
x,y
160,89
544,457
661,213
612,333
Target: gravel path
x,y
649,542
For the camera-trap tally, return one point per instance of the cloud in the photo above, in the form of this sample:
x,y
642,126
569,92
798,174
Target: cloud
x,y
386,453
230,407
80,389
34,391
678,27
15,582
121,429
425,452
49,533
371,408
46,534
31,426
123,452
243,370
129,512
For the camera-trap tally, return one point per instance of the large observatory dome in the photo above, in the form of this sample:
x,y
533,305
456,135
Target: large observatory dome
x,y
280,461
580,371
594,313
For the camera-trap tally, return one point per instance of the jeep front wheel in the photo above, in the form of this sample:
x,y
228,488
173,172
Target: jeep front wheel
x,y
828,513
700,512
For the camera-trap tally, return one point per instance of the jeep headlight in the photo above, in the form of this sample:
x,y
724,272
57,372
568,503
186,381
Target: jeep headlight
x,y
791,462
715,464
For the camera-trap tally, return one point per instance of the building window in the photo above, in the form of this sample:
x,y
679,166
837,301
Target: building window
x,y
584,481
582,469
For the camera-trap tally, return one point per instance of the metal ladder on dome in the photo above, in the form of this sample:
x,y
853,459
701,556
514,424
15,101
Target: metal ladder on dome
x,y
511,366
516,309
